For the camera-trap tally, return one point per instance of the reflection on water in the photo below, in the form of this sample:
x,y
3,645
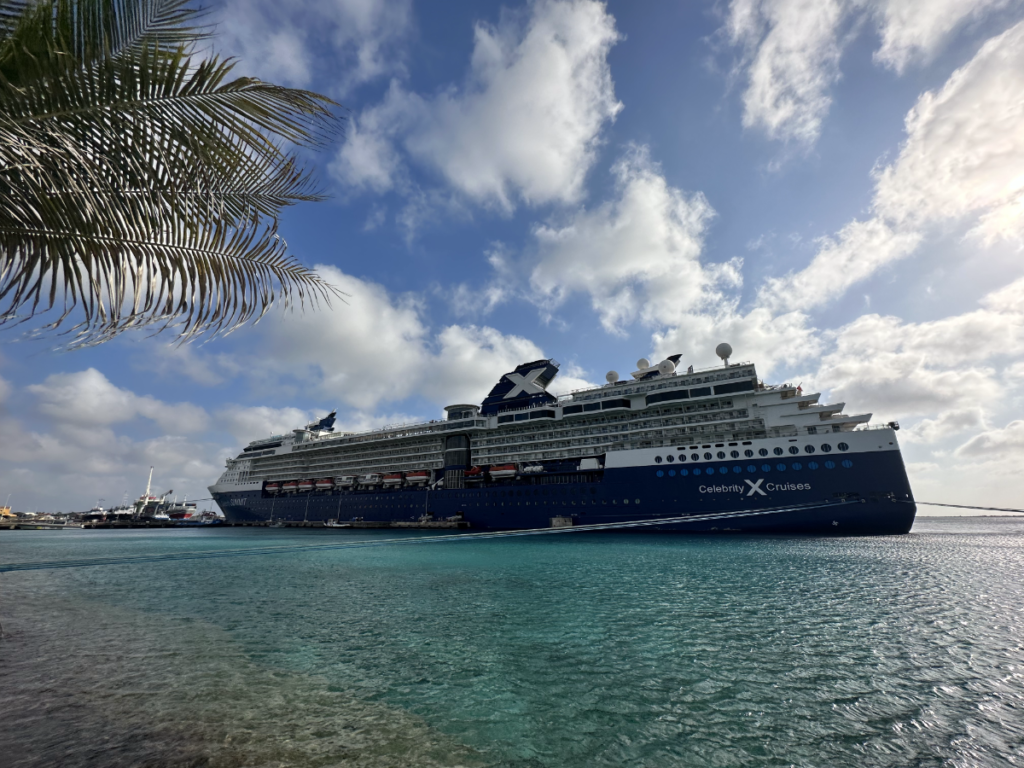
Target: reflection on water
x,y
565,651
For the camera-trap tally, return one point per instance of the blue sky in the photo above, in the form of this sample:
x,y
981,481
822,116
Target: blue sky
x,y
835,187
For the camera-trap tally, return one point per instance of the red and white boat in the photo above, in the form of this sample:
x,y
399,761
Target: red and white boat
x,y
325,484
291,486
392,480
305,485
503,471
418,477
273,488
474,475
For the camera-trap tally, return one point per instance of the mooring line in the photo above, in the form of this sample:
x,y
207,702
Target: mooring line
x,y
964,506
286,548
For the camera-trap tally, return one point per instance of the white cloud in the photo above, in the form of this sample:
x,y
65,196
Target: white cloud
x,y
916,29
792,50
962,166
954,422
289,43
376,348
1003,443
88,399
525,124
637,256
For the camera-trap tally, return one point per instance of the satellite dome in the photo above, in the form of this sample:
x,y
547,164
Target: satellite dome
x,y
666,367
643,364
611,377
724,351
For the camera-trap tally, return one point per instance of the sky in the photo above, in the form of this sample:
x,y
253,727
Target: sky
x,y
834,187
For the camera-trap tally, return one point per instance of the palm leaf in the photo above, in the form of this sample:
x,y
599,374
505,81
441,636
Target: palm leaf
x,y
137,187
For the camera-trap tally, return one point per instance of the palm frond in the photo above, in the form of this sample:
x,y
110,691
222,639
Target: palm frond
x,y
137,187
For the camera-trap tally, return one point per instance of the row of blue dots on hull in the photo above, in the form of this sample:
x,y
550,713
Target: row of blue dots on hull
x,y
825,448
753,468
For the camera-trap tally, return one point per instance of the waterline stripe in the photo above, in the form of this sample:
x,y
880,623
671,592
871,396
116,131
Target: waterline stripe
x,y
285,548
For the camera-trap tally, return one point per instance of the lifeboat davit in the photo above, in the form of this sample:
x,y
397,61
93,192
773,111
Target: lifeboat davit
x,y
393,479
273,488
325,484
346,481
474,475
503,471
418,477
371,479
290,487
305,485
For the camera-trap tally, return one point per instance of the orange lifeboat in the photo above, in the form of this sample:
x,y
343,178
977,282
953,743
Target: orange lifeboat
x,y
290,487
273,487
503,471
418,477
393,480
305,485
474,475
325,484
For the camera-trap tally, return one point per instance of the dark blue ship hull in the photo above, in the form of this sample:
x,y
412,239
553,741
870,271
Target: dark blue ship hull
x,y
853,494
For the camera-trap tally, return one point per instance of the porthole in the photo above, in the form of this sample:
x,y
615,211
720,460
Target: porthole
x,y
734,454
847,463
809,448
670,459
797,465
762,452
812,465
707,456
696,471
793,449
825,447
721,454
659,473
778,451
636,501
671,473
737,468
657,459
682,457
830,465
751,468
844,447
625,501
684,472
723,470
695,456
748,453
780,467
766,467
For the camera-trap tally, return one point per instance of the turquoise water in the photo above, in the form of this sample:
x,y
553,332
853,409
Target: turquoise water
x,y
568,650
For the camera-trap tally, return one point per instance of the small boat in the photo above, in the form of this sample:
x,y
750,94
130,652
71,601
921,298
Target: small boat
x,y
392,480
346,481
371,479
325,484
474,475
305,485
290,487
337,524
503,471
273,488
418,477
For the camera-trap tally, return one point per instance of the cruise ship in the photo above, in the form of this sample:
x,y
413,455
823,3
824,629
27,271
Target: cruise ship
x,y
705,451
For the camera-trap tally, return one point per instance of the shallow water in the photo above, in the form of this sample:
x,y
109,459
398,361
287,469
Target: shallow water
x,y
567,650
